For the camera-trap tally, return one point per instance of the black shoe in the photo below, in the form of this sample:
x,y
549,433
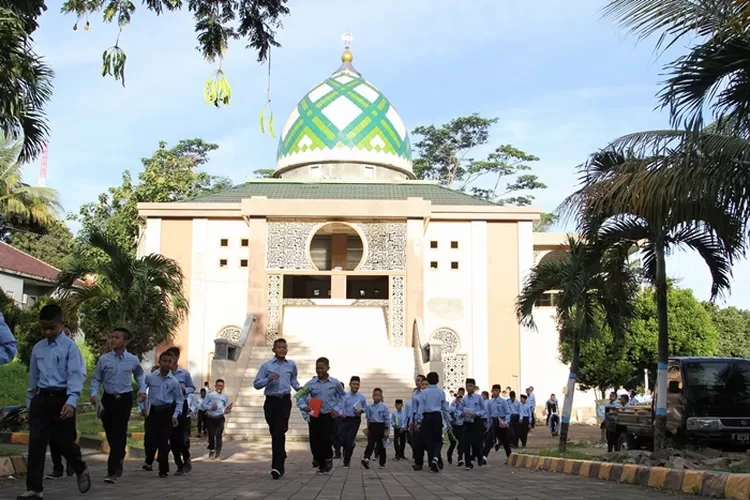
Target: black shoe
x,y
460,463
315,464
119,471
416,467
469,466
110,479
440,464
70,471
450,459
54,476
329,465
275,474
434,466
147,467
84,481
497,447
337,456
188,466
29,494
180,472
211,453
163,475
365,463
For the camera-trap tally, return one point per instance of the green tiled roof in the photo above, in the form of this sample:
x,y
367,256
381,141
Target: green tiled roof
x,y
287,190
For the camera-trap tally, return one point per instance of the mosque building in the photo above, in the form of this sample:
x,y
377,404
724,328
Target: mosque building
x,y
346,255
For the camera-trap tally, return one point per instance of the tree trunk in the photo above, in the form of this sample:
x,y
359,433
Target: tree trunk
x,y
568,405
660,425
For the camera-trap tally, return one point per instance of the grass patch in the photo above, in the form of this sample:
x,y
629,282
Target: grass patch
x,y
740,468
8,452
14,380
88,425
555,453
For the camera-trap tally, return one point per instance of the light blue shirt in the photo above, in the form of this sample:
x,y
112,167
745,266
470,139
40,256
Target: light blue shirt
x,y
165,391
475,404
185,380
329,391
411,407
499,409
526,410
514,407
398,419
531,399
116,373
457,418
8,344
350,401
377,413
221,400
57,364
431,400
613,404
287,371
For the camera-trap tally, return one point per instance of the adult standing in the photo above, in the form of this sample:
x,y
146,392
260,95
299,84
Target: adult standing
x,y
277,377
115,372
8,344
58,471
55,384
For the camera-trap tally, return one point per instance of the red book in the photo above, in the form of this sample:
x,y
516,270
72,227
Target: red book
x,y
315,404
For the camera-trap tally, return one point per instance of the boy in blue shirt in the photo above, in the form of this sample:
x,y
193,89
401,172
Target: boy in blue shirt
x,y
472,408
457,426
378,425
525,419
350,418
432,408
398,422
216,405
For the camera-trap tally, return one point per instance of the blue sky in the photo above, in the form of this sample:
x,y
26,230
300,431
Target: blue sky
x,y
562,80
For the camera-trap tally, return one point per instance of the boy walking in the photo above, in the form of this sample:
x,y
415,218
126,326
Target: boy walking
x,y
180,439
56,379
202,431
473,410
277,377
350,417
526,412
378,427
166,403
432,409
115,372
514,409
215,406
328,391
55,456
457,426
398,423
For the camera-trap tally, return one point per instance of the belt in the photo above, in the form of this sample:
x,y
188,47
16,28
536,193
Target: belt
x,y
118,396
163,407
52,391
354,418
277,396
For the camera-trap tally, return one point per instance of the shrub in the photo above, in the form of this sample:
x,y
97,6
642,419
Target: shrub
x,y
14,379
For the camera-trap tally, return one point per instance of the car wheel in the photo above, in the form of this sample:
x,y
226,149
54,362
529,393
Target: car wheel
x,y
624,442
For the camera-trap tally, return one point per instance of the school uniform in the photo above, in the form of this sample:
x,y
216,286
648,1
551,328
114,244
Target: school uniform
x,y
553,420
473,409
349,421
56,377
329,391
180,439
430,413
165,402
378,424
532,404
278,404
611,434
514,409
417,445
398,424
215,421
488,438
501,418
115,373
525,421
8,343
201,417
456,438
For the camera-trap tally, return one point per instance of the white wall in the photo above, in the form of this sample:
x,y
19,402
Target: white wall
x,y
149,242
218,296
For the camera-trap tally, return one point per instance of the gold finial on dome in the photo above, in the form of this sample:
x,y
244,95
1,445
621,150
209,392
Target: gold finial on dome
x,y
347,56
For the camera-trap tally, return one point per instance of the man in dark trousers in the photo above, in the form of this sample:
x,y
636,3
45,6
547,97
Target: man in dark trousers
x,y
277,376
55,383
432,411
180,439
115,372
58,471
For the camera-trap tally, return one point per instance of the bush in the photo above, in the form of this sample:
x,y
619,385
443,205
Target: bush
x,y
14,380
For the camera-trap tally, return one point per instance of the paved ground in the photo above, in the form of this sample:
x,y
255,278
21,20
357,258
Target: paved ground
x,y
244,474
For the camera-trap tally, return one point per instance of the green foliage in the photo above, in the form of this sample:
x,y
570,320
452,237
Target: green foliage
x,y
264,173
444,156
14,379
733,327
168,175
55,247
142,294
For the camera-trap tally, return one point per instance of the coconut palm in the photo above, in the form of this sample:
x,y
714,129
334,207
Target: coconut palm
x,y
22,205
611,207
596,287
143,294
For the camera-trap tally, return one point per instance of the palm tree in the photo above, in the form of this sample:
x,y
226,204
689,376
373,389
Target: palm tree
x,y
143,294
610,207
22,205
596,287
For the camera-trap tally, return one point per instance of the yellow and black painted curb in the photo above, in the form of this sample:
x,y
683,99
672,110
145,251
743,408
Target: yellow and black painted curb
x,y
691,482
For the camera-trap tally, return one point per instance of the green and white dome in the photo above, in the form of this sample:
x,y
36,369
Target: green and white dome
x,y
345,119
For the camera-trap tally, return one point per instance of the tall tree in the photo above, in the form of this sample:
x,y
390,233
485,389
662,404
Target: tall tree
x,y
716,236
594,282
22,207
55,247
168,175
143,294
444,156
733,329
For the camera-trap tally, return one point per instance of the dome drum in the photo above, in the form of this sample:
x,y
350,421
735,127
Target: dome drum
x,y
344,170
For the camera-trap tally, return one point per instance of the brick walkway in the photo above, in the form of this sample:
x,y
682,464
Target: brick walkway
x,y
244,474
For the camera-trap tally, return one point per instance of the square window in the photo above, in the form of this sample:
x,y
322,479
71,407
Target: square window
x,y
454,245
433,244
433,264
244,242
454,265
224,242
222,262
243,263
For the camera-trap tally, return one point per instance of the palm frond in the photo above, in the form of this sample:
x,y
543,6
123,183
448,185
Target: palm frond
x,y
711,250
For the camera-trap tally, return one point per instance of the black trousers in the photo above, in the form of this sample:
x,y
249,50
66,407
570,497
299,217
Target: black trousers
x,y
348,429
399,441
215,428
56,456
321,429
473,432
179,441
456,442
523,428
158,431
45,426
277,410
417,448
501,437
202,422
335,441
611,441
115,422
488,438
515,429
432,434
532,421
375,435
